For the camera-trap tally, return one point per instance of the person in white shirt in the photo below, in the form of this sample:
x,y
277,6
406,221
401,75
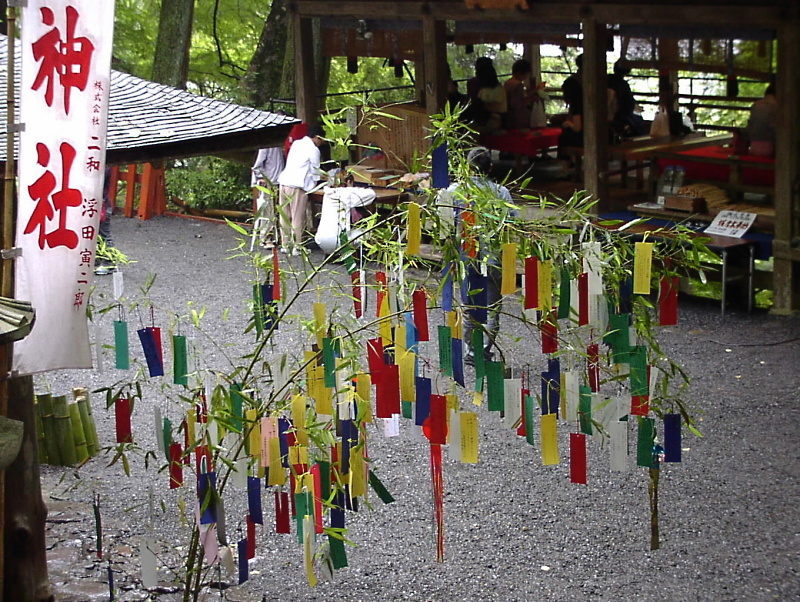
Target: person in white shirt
x,y
297,179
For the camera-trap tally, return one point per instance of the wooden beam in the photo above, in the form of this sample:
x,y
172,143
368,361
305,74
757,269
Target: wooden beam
x,y
434,45
768,14
595,111
304,78
130,189
785,277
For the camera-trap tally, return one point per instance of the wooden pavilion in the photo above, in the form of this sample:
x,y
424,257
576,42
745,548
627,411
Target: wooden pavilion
x,y
422,29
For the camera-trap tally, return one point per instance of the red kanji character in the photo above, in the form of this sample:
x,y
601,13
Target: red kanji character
x,y
98,85
86,256
93,164
90,207
87,232
78,299
68,59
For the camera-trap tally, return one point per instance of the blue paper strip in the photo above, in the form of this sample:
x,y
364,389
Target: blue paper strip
x,y
554,368
151,355
447,287
243,567
207,495
254,500
283,426
476,295
458,361
269,307
423,403
672,438
349,439
440,171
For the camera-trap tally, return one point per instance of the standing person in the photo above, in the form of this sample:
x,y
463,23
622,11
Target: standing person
x,y
265,171
625,121
520,96
493,96
297,179
762,123
572,89
480,291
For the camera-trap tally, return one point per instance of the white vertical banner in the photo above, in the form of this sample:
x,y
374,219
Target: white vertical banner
x,y
66,68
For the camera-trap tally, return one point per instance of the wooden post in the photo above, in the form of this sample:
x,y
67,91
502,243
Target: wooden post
x,y
146,200
785,278
130,190
304,79
113,188
434,46
595,111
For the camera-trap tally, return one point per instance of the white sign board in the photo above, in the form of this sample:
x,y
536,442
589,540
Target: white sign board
x,y
731,223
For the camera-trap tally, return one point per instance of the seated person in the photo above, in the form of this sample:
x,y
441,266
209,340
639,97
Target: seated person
x,y
336,216
519,96
572,128
625,121
762,123
493,96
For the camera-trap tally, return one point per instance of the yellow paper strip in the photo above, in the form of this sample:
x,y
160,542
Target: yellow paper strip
x,y
477,398
385,322
642,263
308,549
400,342
508,284
549,440
364,394
299,418
254,438
191,421
545,285
408,388
358,480
414,230
298,454
277,473
469,437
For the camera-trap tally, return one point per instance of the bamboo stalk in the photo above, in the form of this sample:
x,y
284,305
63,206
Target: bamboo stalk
x,y
63,430
40,434
48,424
88,425
90,428
78,435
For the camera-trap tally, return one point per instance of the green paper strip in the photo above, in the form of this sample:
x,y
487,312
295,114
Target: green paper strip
x,y
121,351
563,295
379,488
530,425
180,365
302,505
408,409
325,479
329,362
585,409
646,439
258,309
445,350
618,336
237,402
495,387
166,434
338,553
638,373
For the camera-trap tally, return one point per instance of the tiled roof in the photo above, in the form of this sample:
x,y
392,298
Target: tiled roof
x,y
148,121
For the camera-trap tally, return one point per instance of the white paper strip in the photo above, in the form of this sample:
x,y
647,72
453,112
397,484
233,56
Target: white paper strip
x,y
619,445
119,284
571,396
147,556
158,423
655,374
592,265
512,391
391,426
454,436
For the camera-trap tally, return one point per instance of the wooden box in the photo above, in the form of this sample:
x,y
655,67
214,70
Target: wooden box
x,y
689,204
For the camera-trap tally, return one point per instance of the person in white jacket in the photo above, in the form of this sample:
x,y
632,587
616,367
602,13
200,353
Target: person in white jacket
x,y
335,218
298,178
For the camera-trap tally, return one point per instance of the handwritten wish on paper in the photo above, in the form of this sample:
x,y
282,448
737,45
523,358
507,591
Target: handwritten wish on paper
x,y
731,223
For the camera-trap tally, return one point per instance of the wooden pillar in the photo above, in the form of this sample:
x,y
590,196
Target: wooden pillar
x,y
595,111
304,78
146,200
113,187
785,277
533,54
434,46
130,189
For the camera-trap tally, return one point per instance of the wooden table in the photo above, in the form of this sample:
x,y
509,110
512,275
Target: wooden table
x,y
388,198
528,142
726,247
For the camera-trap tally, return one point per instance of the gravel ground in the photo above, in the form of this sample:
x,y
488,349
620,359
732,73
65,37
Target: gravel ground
x,y
515,530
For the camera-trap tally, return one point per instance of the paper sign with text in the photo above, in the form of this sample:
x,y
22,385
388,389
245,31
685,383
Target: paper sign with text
x,y
731,223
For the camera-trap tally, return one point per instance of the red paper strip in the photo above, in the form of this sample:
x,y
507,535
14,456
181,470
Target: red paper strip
x,y
315,472
577,458
380,279
593,359
668,301
358,302
549,327
435,425
276,278
640,405
122,414
201,454
175,466
521,430
157,338
437,480
375,356
387,391
420,302
251,539
531,283
583,299
282,519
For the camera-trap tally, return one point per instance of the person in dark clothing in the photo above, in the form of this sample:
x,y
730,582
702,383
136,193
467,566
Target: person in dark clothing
x,y
572,90
625,122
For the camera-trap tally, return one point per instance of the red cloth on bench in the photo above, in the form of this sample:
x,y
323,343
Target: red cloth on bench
x,y
697,170
523,142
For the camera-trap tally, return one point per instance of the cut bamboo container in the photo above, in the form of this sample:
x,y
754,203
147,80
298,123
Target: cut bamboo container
x,y
63,431
45,404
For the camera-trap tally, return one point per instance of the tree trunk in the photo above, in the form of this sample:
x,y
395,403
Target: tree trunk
x,y
286,88
171,61
25,560
262,81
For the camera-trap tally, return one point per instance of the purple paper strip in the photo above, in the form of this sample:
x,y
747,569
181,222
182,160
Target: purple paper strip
x,y
151,355
423,403
254,500
672,438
